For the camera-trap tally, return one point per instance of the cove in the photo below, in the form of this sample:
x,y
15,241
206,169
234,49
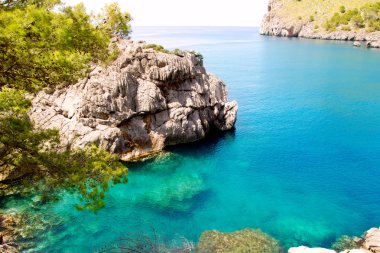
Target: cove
x,y
302,163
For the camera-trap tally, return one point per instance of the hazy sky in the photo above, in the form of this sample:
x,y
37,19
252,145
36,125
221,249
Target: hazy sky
x,y
188,12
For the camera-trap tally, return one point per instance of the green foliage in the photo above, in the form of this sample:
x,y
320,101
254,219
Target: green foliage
x,y
87,171
114,21
17,4
160,48
199,56
177,51
41,48
44,48
20,144
31,157
366,17
157,48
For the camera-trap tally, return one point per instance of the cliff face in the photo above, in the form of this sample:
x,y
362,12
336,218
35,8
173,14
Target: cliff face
x,y
274,24
290,18
144,101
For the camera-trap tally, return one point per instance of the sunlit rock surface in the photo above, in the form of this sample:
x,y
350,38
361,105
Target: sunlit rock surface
x,y
144,101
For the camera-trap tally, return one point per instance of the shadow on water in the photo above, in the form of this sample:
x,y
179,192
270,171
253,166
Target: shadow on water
x,y
208,144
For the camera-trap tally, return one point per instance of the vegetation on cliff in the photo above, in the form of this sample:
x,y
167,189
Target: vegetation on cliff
x,y
44,44
368,17
327,15
321,10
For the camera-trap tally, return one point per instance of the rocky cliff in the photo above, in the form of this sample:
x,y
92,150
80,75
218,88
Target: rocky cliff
x,y
144,101
305,19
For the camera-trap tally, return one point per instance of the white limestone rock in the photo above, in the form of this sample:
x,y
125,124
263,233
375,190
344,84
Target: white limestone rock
x,y
372,240
144,101
303,249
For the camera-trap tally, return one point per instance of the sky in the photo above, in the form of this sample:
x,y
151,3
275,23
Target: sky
x,y
187,12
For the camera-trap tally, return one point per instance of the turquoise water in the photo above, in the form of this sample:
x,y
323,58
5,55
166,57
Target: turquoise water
x,y
302,164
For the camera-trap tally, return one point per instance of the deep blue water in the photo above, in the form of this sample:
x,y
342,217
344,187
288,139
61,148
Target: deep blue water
x,y
302,164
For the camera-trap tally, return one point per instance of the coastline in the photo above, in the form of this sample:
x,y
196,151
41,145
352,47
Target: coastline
x,y
275,25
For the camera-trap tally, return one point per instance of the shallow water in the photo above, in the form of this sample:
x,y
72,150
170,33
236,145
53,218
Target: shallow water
x,y
302,164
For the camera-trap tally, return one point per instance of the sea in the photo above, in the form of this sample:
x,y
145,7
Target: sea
x,y
302,165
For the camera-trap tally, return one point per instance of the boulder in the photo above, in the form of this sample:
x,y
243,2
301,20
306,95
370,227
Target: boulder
x,y
373,44
372,240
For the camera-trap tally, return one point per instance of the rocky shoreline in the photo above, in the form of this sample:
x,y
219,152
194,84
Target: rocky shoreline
x,y
144,101
255,241
8,233
214,241
275,25
368,243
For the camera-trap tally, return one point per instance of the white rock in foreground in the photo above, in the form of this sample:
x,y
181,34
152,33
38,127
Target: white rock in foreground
x,y
356,251
372,240
303,249
370,243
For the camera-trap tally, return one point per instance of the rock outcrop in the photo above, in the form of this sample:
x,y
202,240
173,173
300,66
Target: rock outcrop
x,y
372,240
246,240
369,243
251,240
143,102
8,234
275,23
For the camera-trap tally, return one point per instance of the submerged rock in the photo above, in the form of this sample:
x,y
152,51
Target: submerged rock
x,y
175,194
144,101
347,243
246,240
